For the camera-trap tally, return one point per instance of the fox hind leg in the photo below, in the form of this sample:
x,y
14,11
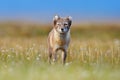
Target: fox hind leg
x,y
50,56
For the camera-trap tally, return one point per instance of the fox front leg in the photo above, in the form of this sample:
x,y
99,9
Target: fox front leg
x,y
64,55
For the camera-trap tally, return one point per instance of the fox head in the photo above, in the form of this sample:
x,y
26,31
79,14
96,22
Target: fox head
x,y
62,25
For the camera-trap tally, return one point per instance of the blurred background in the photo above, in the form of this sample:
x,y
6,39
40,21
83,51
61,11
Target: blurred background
x,y
33,18
94,51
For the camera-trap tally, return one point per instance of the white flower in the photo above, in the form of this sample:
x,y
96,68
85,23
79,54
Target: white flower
x,y
9,56
2,50
117,42
37,58
39,55
28,58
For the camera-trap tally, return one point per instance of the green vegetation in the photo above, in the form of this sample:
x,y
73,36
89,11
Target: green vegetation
x,y
94,53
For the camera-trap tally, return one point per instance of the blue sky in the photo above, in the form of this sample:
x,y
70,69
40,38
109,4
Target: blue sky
x,y
44,10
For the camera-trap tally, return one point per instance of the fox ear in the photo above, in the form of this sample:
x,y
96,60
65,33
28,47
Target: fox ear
x,y
55,19
69,18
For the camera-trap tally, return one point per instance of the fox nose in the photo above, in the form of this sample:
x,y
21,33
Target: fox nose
x,y
62,29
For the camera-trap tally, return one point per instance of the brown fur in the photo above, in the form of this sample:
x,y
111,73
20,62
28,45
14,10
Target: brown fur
x,y
59,41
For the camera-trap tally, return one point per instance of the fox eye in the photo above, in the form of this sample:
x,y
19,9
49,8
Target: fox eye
x,y
65,24
58,24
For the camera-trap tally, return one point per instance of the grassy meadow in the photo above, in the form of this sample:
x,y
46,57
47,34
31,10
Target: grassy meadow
x,y
93,54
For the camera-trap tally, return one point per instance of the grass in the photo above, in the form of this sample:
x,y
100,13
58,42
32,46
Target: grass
x,y
94,54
